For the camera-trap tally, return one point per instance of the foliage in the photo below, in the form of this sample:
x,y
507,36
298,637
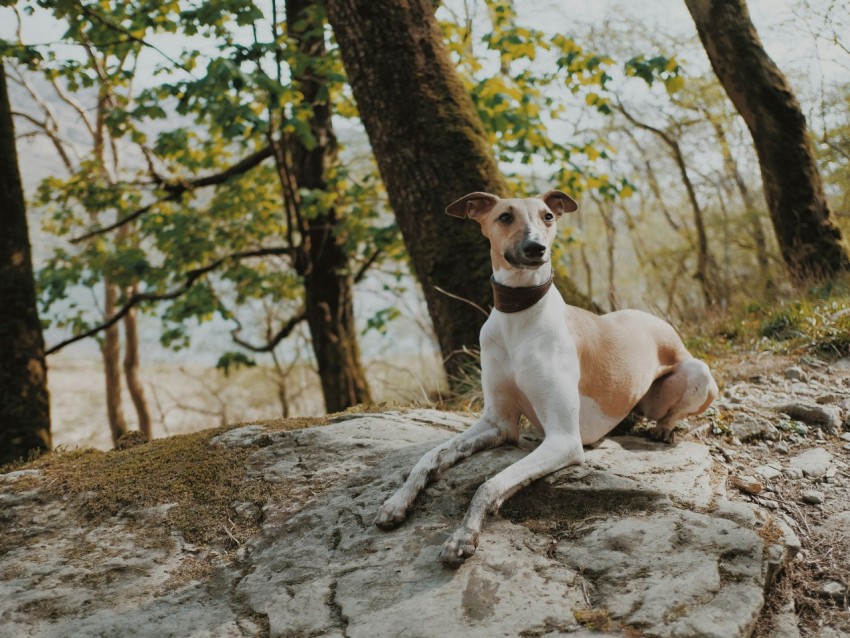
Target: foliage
x,y
816,324
227,92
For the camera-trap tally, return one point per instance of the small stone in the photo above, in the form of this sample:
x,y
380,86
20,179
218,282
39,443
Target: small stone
x,y
782,447
796,373
747,427
826,417
812,497
845,436
828,398
814,462
846,446
747,484
767,472
833,589
793,472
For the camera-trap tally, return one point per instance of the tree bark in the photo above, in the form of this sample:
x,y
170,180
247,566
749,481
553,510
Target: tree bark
x,y
110,350
131,372
328,280
24,402
810,242
431,149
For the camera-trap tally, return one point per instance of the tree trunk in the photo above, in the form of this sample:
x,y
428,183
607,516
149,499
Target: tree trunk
x,y
328,281
131,373
431,149
24,402
810,242
110,350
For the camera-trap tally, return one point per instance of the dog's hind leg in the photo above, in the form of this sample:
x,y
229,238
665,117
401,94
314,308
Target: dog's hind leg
x,y
554,453
688,389
491,430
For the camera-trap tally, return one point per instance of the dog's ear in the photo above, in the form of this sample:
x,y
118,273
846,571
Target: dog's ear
x,y
559,203
472,206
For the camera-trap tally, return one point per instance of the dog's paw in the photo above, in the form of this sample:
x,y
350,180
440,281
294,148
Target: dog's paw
x,y
659,433
392,512
460,546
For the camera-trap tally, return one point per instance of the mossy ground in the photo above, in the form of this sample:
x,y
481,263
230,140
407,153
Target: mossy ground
x,y
200,482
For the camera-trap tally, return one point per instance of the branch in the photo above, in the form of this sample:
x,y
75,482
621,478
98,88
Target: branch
x,y
176,189
134,38
191,277
282,334
366,265
52,134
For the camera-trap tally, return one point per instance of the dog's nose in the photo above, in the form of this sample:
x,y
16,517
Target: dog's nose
x,y
533,250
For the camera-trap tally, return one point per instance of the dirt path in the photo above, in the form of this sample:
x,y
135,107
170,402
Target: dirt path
x,y
782,428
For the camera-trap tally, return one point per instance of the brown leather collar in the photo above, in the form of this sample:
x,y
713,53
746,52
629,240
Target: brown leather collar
x,y
510,299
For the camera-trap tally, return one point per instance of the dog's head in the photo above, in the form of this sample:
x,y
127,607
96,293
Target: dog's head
x,y
521,231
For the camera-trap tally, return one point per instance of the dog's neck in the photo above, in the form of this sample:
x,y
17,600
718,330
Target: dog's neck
x,y
516,298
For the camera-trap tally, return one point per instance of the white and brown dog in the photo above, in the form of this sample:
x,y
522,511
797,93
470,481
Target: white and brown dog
x,y
573,374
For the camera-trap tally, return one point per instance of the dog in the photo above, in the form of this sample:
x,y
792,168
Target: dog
x,y
573,374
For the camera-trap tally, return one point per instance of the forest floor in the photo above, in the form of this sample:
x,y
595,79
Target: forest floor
x,y
781,427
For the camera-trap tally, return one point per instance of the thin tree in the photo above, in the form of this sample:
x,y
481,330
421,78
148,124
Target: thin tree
x,y
810,242
324,263
24,403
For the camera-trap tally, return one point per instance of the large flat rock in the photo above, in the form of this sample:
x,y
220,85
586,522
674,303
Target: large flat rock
x,y
640,538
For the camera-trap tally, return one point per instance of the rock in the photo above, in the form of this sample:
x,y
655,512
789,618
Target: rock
x,y
767,472
830,397
835,590
793,472
812,497
747,427
784,623
782,447
746,484
795,373
642,529
245,436
838,525
814,462
826,417
845,436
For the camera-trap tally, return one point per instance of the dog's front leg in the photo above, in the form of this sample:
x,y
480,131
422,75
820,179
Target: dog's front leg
x,y
491,430
558,412
553,454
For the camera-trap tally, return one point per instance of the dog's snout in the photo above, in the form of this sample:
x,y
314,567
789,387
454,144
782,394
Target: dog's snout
x,y
533,250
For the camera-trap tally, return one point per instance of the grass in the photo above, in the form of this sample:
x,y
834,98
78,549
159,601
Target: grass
x,y
816,324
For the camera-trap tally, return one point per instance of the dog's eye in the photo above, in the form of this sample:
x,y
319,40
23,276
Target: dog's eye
x,y
506,218
548,217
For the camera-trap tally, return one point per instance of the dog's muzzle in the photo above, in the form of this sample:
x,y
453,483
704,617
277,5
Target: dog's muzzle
x,y
530,254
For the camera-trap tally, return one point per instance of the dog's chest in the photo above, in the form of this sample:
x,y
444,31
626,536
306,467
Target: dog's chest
x,y
533,342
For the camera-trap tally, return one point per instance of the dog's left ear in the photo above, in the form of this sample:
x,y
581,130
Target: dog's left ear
x,y
559,203
472,206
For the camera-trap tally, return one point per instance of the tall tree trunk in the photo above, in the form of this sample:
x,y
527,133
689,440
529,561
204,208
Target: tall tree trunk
x,y
328,280
810,242
110,350
431,149
24,402
131,372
